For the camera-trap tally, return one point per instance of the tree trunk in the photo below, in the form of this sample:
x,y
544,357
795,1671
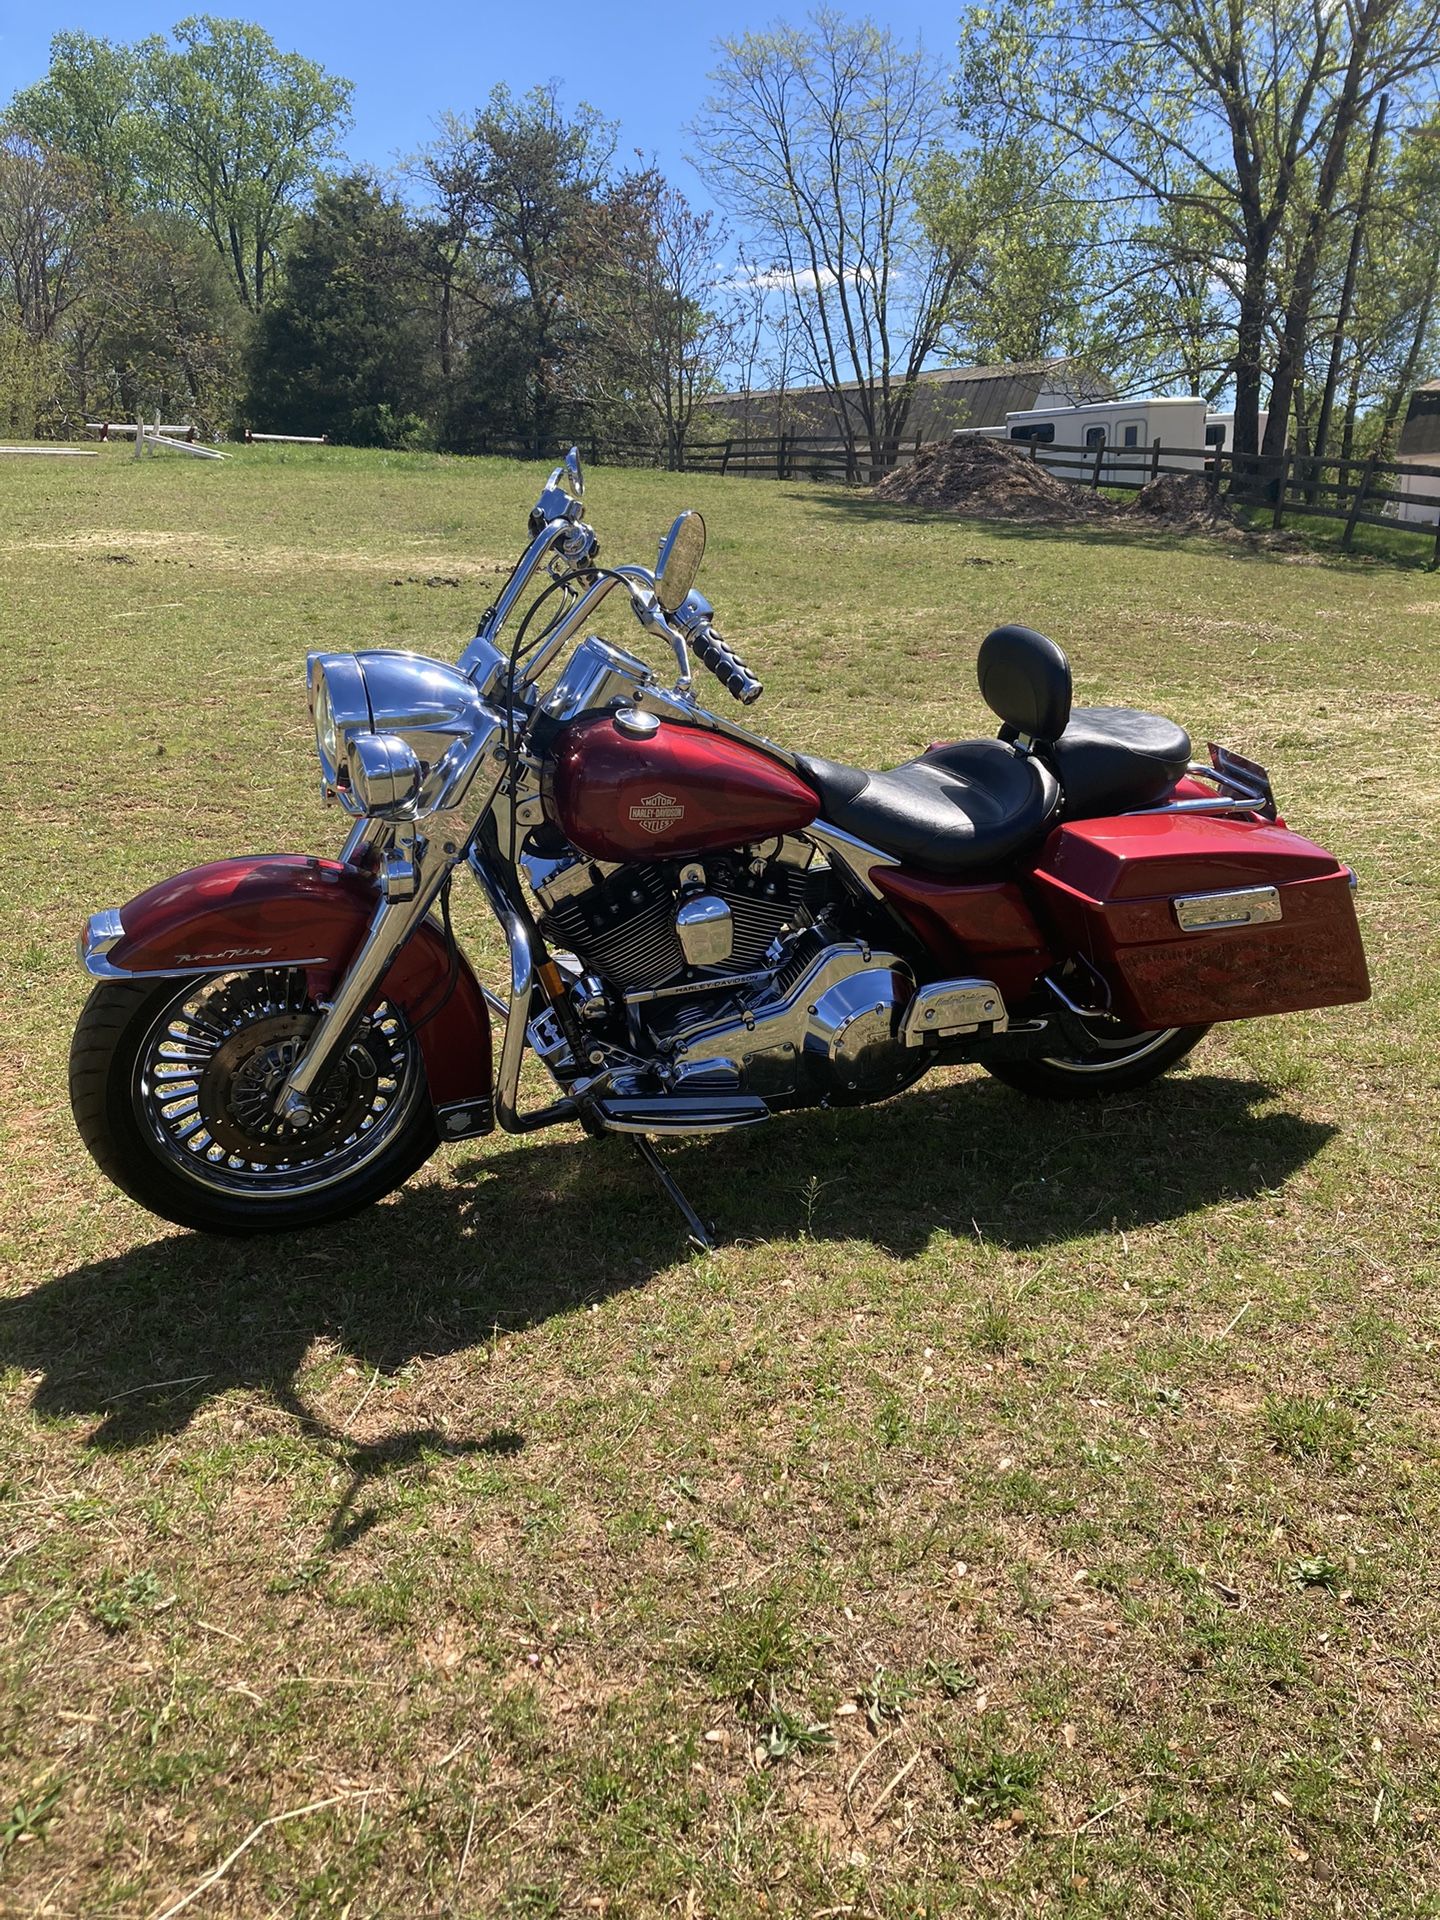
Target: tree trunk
x,y
1404,385
1290,358
1249,350
1347,291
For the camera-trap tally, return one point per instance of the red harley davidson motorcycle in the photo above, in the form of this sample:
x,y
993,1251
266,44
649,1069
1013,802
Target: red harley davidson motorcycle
x,y
704,928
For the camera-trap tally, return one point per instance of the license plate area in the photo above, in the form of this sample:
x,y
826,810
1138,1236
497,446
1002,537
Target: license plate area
x,y
1240,907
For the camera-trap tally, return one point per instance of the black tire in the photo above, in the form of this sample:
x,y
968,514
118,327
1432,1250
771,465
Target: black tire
x,y
1115,1060
122,1119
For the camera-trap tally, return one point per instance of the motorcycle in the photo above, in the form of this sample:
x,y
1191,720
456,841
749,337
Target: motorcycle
x,y
705,928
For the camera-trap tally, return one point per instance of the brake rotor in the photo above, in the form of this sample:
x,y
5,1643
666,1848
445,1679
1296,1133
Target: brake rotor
x,y
241,1084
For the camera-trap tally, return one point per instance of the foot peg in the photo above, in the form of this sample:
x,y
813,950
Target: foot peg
x,y
950,1008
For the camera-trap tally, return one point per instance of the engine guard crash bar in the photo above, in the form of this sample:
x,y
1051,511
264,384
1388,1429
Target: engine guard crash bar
x,y
515,1012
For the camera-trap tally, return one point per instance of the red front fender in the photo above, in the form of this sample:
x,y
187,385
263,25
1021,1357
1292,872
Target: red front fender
x,y
287,909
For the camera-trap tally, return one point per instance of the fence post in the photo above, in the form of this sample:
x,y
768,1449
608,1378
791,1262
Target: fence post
x,y
781,446
1435,563
1034,450
1358,502
725,458
1155,459
1278,518
1095,475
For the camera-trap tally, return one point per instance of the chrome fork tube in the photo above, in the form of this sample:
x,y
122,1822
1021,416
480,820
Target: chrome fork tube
x,y
517,1024
390,925
366,843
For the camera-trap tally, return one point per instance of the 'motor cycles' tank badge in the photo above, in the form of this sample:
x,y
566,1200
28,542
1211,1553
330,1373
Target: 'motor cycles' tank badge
x,y
657,813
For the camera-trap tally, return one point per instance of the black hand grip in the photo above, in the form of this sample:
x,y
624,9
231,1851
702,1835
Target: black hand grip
x,y
727,666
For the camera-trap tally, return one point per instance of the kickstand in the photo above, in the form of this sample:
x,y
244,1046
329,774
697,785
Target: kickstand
x,y
699,1235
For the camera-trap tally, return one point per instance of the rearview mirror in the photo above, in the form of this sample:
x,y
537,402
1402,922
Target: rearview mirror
x,y
681,552
574,475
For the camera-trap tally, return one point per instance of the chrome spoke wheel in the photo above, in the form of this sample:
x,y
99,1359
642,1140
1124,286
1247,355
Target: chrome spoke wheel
x,y
209,1070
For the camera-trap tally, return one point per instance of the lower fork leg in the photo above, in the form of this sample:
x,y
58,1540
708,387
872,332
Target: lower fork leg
x,y
699,1235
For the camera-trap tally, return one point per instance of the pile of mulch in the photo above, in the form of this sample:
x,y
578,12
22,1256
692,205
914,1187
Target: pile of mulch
x,y
1184,503
995,480
990,480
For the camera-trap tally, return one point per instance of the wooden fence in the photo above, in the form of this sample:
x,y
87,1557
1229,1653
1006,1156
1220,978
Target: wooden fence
x,y
1290,486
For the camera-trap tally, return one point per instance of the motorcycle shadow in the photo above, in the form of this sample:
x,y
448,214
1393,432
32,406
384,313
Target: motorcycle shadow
x,y
518,1234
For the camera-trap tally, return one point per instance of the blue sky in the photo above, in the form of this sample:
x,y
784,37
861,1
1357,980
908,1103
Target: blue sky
x,y
642,62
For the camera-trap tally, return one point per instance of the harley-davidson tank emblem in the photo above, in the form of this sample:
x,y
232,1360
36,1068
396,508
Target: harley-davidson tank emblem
x,y
657,812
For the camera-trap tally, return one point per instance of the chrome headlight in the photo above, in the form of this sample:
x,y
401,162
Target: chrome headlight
x,y
339,709
396,732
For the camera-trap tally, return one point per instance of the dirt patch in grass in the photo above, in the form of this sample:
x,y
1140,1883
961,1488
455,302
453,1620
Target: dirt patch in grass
x,y
129,546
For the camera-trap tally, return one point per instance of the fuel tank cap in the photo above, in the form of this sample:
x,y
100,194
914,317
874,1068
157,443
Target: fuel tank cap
x,y
642,726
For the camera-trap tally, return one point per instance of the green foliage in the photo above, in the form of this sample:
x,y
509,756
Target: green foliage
x,y
242,131
90,106
1025,227
345,349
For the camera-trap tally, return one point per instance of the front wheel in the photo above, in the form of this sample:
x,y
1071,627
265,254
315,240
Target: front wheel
x,y
1100,1056
173,1087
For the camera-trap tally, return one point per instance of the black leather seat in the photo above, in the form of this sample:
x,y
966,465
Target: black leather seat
x,y
958,810
1111,759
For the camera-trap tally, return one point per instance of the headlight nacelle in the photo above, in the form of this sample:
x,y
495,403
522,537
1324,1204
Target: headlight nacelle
x,y
397,735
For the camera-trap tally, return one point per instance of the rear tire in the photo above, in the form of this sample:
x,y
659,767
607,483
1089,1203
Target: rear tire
x,y
1104,1058
169,1084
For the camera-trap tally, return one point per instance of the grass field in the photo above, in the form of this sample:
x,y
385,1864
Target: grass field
x,y
1025,1511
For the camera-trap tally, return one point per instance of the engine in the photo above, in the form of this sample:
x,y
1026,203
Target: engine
x,y
646,926
732,971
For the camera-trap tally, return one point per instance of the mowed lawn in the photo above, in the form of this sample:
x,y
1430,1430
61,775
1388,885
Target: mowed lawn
x,y
1026,1510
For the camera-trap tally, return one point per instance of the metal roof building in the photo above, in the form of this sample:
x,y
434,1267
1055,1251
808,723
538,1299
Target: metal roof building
x,y
945,398
1420,435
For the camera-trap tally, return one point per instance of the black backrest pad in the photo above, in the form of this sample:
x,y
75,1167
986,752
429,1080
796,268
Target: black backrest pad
x,y
1025,678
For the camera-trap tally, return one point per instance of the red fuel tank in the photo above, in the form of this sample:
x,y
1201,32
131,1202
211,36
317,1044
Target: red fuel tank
x,y
681,791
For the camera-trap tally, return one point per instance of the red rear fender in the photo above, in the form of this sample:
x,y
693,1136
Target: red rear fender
x,y
285,909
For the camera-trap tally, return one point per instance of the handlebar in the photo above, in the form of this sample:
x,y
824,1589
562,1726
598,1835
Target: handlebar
x,y
726,665
557,528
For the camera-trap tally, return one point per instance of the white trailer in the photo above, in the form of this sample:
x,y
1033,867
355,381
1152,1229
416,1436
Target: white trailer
x,y
1420,491
1220,430
1126,429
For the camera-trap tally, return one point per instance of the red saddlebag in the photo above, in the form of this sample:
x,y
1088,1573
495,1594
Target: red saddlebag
x,y
1190,918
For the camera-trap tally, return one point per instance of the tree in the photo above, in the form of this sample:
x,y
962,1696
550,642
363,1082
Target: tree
x,y
161,325
1023,230
242,133
511,191
817,140
658,319
88,106
345,347
1227,111
46,210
